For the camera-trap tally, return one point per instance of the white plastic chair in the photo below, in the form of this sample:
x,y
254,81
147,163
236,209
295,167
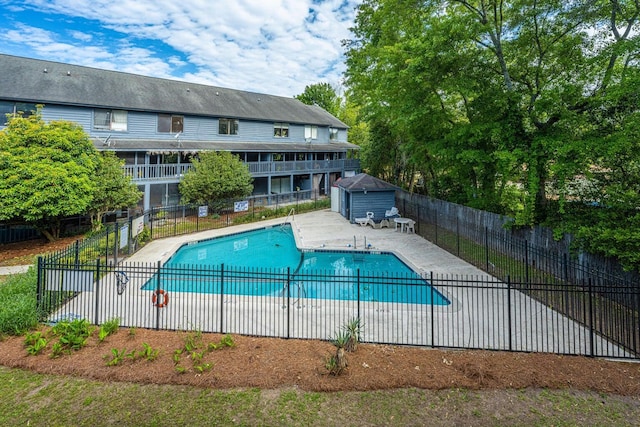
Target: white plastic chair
x,y
410,226
368,220
393,212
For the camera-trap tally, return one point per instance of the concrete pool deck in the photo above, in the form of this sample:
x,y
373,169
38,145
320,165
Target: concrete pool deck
x,y
329,230
483,312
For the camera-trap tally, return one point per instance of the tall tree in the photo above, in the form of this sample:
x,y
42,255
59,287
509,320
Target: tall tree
x,y
113,189
491,95
46,172
216,177
323,95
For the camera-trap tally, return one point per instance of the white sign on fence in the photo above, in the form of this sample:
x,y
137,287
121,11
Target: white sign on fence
x,y
137,226
241,206
69,280
203,211
124,236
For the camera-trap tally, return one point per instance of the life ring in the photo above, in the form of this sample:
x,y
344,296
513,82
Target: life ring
x,y
160,302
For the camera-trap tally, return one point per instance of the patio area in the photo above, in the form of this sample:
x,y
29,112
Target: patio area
x,y
483,313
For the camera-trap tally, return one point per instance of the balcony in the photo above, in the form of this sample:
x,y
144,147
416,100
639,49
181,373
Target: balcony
x,y
173,172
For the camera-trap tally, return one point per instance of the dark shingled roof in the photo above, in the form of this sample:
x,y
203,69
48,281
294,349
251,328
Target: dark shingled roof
x,y
362,182
47,82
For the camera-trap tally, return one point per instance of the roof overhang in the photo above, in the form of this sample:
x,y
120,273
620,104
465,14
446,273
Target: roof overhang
x,y
178,145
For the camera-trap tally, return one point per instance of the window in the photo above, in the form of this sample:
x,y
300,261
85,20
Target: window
x,y
310,132
333,134
281,130
115,120
15,108
168,123
228,127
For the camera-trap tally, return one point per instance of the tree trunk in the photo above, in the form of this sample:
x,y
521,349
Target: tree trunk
x,y
341,360
50,237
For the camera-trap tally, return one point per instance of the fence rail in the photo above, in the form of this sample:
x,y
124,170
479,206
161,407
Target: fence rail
x,y
124,238
481,239
534,300
474,312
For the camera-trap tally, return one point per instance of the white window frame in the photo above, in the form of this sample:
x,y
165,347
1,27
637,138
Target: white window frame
x,y
232,126
176,123
114,120
281,130
310,132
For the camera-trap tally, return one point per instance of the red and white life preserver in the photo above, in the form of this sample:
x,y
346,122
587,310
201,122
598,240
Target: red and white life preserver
x,y
159,301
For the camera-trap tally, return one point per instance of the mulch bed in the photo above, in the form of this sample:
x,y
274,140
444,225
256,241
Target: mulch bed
x,y
271,363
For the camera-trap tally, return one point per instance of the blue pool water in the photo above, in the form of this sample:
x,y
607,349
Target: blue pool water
x,y
265,255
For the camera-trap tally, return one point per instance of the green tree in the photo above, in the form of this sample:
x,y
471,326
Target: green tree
x,y
46,172
489,96
113,189
216,176
323,95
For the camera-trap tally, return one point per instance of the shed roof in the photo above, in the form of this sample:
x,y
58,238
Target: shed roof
x,y
363,181
48,82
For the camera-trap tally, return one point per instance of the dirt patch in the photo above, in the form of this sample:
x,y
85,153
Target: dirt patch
x,y
24,253
270,363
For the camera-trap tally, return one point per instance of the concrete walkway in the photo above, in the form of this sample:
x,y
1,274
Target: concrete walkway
x,y
329,230
14,269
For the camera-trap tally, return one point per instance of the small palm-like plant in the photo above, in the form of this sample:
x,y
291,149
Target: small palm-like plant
x,y
338,363
353,329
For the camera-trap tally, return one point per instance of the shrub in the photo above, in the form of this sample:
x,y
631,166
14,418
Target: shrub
x,y
72,335
18,311
108,328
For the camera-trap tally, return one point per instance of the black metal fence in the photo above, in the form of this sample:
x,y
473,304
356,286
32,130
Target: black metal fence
x,y
537,299
123,238
481,239
429,310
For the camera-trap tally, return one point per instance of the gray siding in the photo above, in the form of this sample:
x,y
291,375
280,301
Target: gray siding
x,y
377,202
144,125
79,115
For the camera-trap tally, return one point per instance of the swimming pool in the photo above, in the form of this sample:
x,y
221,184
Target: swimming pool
x,y
270,264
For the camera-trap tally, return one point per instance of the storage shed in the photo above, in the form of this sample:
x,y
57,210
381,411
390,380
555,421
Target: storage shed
x,y
363,193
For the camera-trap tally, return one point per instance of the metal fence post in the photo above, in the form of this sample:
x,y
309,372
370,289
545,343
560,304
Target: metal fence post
x,y
175,221
458,235
158,282
526,263
435,215
486,248
221,298
358,283
591,331
97,302
39,284
289,302
115,243
106,246
151,222
77,252
509,310
130,236
433,337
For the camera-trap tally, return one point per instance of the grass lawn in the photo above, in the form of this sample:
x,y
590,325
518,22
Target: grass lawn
x,y
43,400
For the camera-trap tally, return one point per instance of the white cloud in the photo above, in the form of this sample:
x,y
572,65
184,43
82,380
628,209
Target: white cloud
x,y
272,46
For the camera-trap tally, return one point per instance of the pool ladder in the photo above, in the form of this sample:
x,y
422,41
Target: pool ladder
x,y
290,214
301,294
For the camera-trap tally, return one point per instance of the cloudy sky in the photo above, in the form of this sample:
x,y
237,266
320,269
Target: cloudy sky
x,y
270,46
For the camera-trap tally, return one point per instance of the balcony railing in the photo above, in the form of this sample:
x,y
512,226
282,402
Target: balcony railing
x,y
176,171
